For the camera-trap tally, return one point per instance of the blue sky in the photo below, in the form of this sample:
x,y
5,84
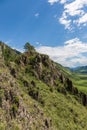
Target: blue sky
x,y
54,27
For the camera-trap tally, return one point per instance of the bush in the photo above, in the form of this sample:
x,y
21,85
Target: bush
x,y
14,110
16,100
1,96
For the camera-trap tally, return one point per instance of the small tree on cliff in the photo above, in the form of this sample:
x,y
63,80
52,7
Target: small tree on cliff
x,y
29,48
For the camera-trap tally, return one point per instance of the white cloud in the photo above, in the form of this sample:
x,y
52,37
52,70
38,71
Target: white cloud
x,y
63,1
82,20
63,20
55,1
20,49
75,13
75,8
71,54
38,43
36,14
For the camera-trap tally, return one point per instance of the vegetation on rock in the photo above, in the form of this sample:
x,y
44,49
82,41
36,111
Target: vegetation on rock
x,y
38,94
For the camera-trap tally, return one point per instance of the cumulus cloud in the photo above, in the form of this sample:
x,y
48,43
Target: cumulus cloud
x,y
82,20
71,54
74,12
63,20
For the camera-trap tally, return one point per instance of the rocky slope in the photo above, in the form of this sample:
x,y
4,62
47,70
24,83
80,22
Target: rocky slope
x,y
36,95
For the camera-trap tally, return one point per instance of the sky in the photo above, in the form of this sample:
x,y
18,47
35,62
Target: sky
x,y
57,28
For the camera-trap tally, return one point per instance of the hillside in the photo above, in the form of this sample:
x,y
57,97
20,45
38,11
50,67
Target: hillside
x,y
81,70
79,77
37,94
76,75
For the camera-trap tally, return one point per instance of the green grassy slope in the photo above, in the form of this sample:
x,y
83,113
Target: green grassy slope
x,y
36,94
80,81
64,111
80,78
77,76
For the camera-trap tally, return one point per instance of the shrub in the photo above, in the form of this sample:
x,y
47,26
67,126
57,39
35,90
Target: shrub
x,y
1,96
14,110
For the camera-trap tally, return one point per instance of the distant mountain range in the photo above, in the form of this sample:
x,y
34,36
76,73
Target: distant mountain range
x,y
81,69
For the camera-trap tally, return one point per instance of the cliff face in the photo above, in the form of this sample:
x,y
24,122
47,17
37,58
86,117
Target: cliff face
x,y
35,95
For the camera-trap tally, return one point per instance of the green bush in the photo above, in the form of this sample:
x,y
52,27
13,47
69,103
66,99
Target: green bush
x,y
1,96
14,110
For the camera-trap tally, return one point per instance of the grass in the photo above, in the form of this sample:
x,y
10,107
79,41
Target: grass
x,y
64,111
80,81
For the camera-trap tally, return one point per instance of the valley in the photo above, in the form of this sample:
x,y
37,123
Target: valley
x,y
80,81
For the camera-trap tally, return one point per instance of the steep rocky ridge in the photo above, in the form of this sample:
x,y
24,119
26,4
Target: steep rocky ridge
x,y
15,113
36,95
44,69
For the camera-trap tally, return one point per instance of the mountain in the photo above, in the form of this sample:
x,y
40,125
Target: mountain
x,y
38,94
81,70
